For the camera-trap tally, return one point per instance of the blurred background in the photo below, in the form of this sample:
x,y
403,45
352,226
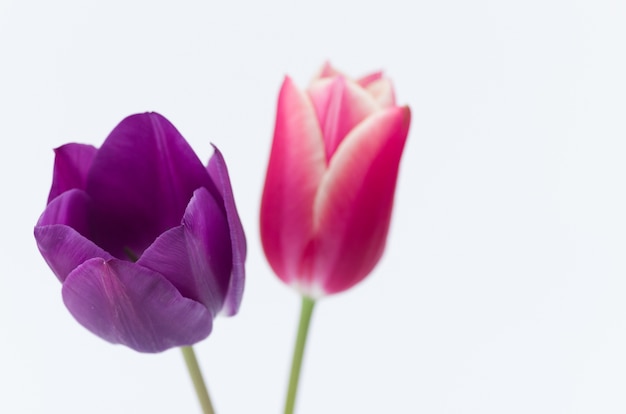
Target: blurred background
x,y
503,285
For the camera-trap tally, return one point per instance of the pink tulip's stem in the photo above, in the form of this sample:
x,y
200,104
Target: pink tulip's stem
x,y
298,353
198,381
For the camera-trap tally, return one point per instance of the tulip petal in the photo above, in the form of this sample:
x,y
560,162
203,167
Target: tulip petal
x,y
382,92
353,207
141,181
168,256
128,304
327,71
297,163
62,233
368,79
70,208
219,174
64,248
71,164
206,233
340,105
194,256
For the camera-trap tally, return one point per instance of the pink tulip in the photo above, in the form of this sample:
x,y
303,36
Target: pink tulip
x,y
331,179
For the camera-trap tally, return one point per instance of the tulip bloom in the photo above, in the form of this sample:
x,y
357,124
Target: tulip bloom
x,y
331,179
146,241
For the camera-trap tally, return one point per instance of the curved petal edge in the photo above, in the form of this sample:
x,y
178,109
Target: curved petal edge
x,y
127,304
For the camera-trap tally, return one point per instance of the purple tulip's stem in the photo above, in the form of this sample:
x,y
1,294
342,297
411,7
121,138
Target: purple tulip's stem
x,y
191,361
198,381
298,352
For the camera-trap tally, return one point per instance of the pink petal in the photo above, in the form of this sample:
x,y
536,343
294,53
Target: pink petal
x,y
382,92
125,303
353,207
327,71
368,79
297,163
340,105
71,165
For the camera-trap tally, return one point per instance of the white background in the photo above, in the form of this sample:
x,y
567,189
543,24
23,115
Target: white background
x,y
503,287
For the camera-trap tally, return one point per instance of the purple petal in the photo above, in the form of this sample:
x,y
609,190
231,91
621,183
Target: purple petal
x,y
64,249
209,246
219,174
168,256
128,304
61,231
141,182
71,165
196,257
70,208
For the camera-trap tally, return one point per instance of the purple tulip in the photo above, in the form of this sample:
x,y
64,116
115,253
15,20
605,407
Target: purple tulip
x,y
146,241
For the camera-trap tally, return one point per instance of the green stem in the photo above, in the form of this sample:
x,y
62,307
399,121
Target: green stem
x,y
196,378
298,353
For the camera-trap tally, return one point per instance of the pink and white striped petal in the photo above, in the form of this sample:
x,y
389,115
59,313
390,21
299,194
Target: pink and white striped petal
x,y
340,105
382,92
296,166
327,71
353,206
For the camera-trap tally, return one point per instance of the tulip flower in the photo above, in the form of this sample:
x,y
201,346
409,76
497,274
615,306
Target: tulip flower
x,y
146,240
331,179
329,188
